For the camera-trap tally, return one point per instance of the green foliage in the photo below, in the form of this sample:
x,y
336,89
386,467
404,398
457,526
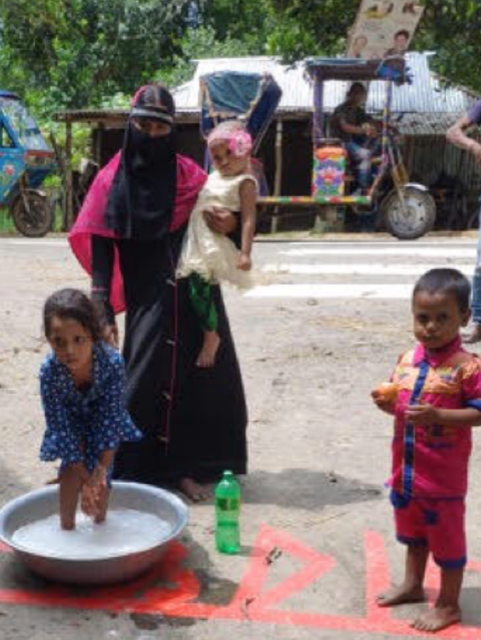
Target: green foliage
x,y
78,51
311,27
61,54
440,30
199,43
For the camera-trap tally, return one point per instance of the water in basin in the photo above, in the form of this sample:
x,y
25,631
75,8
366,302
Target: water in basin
x,y
124,531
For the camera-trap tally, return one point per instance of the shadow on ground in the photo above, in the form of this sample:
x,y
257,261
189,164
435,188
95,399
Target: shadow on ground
x,y
305,489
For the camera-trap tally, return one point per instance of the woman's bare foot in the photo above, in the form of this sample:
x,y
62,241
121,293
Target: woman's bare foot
x,y
206,357
437,618
193,490
400,595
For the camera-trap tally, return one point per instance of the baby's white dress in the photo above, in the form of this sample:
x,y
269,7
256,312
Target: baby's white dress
x,y
210,254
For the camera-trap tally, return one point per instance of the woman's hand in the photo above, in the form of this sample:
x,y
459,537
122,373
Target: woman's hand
x,y
111,334
220,220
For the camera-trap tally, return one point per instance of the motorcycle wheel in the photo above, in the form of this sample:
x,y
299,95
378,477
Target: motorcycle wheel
x,y
36,222
411,219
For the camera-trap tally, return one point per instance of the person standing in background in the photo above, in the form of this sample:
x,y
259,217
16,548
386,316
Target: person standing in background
x,y
457,135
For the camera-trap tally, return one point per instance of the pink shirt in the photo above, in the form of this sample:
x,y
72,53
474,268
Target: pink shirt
x,y
432,461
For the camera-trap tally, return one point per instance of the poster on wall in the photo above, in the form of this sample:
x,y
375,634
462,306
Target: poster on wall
x,y
383,28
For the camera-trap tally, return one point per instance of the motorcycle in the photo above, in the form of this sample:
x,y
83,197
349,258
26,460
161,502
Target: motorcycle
x,y
25,161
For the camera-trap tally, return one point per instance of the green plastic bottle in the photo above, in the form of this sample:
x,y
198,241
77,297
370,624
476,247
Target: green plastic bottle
x,y
227,510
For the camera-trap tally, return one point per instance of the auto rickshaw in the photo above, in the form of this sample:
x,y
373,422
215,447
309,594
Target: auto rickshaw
x,y
405,208
25,161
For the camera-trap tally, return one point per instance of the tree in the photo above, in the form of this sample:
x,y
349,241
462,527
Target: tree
x,y
439,31
80,53
81,50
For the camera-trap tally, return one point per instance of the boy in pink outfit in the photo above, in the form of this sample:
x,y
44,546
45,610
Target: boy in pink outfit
x,y
438,401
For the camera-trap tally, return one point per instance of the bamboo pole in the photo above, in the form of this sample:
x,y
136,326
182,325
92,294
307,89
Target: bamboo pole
x,y
68,195
278,174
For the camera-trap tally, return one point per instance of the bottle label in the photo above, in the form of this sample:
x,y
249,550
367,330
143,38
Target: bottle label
x,y
227,504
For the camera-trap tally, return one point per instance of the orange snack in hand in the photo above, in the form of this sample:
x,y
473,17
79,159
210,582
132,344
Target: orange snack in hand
x,y
388,391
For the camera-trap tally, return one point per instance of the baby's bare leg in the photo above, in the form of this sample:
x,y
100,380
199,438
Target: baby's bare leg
x,y
446,610
206,357
201,294
69,490
102,504
411,590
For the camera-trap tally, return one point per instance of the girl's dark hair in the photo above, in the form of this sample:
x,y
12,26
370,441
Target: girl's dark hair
x,y
446,281
72,304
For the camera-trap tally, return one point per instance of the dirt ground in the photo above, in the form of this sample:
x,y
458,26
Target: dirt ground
x,y
316,525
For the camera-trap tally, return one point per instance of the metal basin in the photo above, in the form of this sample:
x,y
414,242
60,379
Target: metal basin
x,y
106,570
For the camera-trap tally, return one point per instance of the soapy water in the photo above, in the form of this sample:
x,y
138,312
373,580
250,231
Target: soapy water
x,y
124,531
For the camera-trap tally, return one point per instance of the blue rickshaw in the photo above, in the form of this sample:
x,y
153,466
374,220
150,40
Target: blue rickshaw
x,y
25,161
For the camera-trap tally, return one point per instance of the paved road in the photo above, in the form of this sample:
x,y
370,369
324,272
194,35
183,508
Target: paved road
x,y
323,326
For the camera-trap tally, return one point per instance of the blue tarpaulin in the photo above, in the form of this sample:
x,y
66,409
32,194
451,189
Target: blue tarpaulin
x,y
250,97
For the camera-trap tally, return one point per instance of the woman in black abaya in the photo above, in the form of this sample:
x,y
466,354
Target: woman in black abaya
x,y
128,235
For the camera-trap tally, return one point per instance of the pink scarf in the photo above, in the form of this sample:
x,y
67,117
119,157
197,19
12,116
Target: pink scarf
x,y
90,221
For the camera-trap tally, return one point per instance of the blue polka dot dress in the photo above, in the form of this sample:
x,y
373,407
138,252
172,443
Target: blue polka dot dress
x,y
81,425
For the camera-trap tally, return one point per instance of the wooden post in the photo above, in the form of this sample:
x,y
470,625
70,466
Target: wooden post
x,y
317,122
68,195
97,151
278,175
318,116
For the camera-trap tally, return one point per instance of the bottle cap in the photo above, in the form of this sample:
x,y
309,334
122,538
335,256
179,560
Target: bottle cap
x,y
228,474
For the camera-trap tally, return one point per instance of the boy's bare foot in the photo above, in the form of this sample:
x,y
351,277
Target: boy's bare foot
x,y
400,595
437,618
206,357
193,490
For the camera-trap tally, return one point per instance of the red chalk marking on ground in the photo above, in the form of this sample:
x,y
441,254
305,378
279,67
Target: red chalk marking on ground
x,y
250,597
377,576
252,601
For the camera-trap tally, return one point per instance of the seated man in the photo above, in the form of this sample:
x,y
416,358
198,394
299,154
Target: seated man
x,y
358,131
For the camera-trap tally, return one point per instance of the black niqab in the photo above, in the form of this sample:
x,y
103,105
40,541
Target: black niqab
x,y
142,198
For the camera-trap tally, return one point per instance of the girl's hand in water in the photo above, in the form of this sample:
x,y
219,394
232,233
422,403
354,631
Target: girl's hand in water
x,y
244,262
93,490
220,220
87,501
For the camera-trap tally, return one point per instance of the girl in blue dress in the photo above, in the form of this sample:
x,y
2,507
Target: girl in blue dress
x,y
82,390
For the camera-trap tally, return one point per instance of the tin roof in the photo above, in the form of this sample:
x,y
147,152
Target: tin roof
x,y
110,117
428,105
426,94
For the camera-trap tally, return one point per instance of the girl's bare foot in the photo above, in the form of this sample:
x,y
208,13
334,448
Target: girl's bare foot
x,y
206,357
193,490
437,618
400,595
